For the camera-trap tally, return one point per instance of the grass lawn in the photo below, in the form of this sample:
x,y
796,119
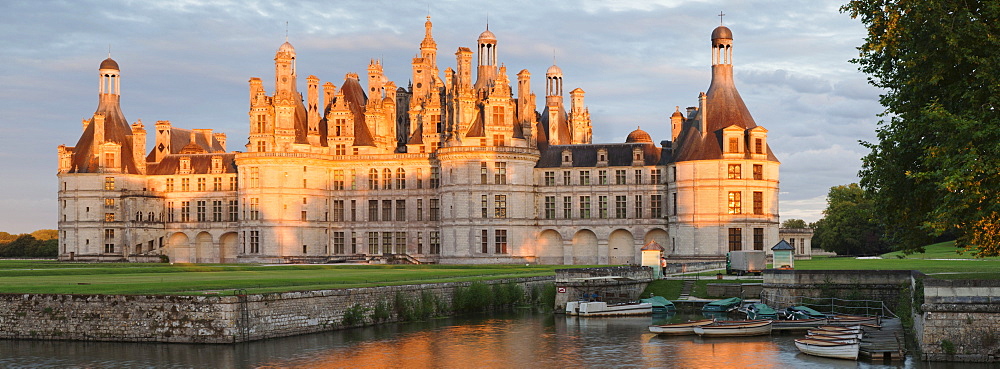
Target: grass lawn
x,y
939,261
18,276
943,250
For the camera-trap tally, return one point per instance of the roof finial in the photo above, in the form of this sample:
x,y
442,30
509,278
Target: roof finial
x,y
109,51
286,31
553,56
487,21
720,17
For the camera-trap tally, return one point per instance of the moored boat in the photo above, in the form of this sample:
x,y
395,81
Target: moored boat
x,y
734,329
679,329
601,308
660,304
803,312
844,320
829,349
839,328
761,311
723,305
834,333
840,338
801,324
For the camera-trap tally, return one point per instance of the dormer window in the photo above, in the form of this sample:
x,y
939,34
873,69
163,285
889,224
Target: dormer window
x,y
567,158
637,157
602,157
734,144
185,165
216,164
733,141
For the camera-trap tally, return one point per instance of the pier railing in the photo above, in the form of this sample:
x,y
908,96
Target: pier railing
x,y
830,305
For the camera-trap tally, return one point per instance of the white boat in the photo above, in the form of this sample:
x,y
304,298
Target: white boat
x,y
679,329
840,339
839,327
823,332
801,324
573,307
601,308
829,349
734,329
845,321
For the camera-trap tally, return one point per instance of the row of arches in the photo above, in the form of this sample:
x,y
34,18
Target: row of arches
x,y
585,248
203,248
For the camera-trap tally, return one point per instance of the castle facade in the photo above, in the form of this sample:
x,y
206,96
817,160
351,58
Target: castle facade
x,y
460,166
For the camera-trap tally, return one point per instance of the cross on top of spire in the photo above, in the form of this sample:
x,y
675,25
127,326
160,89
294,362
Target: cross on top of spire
x,y
720,17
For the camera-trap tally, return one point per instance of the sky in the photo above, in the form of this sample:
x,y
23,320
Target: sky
x,y
188,61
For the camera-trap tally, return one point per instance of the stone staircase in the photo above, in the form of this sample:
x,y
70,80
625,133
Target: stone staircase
x,y
686,289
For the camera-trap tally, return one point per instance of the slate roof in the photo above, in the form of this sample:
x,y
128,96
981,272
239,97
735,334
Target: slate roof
x,y
585,155
116,129
200,164
356,101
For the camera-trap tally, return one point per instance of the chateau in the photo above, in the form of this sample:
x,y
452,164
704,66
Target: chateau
x,y
463,165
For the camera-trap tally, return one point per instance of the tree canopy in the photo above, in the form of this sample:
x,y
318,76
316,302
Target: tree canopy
x,y
934,169
794,223
848,226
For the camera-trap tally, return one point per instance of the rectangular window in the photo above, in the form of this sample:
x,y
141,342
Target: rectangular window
x,y
216,211
254,242
109,203
734,171
484,204
673,203
216,183
387,210
602,207
435,240
550,178
758,172
201,184
185,184
501,174
303,215
354,210
420,209
400,179
500,241
638,176
758,202
550,207
567,207
109,183
254,208
758,238
435,211
734,144
373,243
735,239
758,145
340,149
387,179
484,173
338,243
602,177
567,178
638,206
372,210
109,234
387,242
435,177
400,210
338,210
735,202
656,206
170,185
420,243
654,176
584,207
484,241
338,179
400,246
500,206
621,209
254,177
354,242
170,211
354,179
791,242
109,248
420,178
185,211
234,210
585,177
233,183
620,176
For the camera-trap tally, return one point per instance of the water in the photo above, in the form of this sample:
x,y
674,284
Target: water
x,y
522,339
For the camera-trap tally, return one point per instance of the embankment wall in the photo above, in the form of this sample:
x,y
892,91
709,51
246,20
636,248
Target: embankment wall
x,y
208,319
960,320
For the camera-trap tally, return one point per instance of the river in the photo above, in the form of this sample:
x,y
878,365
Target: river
x,y
522,339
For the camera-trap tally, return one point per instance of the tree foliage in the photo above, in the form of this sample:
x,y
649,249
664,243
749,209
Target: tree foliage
x,y
934,169
794,223
27,246
848,226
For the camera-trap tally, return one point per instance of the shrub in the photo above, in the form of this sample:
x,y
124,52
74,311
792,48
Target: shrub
x,y
354,315
382,312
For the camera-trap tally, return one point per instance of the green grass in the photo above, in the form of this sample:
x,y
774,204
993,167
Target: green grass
x,y
668,288
943,269
943,250
195,279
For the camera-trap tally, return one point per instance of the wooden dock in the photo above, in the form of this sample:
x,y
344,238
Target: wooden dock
x,y
886,343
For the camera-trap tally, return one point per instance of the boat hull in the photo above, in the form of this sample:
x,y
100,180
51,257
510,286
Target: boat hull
x,y
797,325
734,330
600,308
847,351
679,329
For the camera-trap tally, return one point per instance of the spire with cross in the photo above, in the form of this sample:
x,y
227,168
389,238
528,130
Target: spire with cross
x,y
720,17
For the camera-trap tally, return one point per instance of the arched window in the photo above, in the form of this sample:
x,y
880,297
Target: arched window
x,y
387,178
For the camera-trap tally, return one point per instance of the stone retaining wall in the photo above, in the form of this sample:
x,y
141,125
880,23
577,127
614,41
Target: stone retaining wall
x,y
205,319
741,290
960,320
883,285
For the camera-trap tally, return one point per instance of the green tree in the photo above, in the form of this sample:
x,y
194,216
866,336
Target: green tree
x,y
934,168
45,234
848,227
793,223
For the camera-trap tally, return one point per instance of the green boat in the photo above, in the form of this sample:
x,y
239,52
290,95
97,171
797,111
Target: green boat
x,y
802,312
723,305
761,311
660,304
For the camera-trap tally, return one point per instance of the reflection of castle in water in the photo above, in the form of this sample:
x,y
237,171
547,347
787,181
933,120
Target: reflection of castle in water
x,y
448,169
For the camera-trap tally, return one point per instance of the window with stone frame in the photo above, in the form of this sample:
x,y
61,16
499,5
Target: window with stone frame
x,y
735,171
758,172
735,202
735,239
550,207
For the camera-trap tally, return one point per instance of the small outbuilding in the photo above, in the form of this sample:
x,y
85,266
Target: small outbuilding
x,y
652,254
784,255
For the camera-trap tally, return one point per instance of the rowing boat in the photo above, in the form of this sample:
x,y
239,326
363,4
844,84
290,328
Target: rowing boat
x,y
678,329
829,349
734,329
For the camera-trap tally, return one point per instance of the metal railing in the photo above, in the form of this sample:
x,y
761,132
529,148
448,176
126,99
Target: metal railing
x,y
830,305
